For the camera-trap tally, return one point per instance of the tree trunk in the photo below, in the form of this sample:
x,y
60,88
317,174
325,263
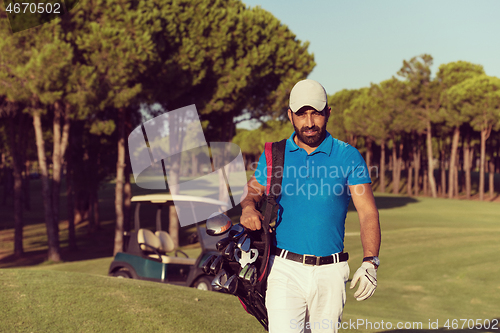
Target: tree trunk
x,y
425,183
409,179
127,189
176,134
18,187
173,219
430,166
369,151
467,166
23,131
453,163
56,169
416,159
491,173
120,167
400,163
4,173
54,251
352,140
395,182
26,186
382,167
442,169
93,210
485,133
127,196
70,203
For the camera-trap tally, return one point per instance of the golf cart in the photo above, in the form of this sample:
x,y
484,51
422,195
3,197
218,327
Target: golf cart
x,y
150,255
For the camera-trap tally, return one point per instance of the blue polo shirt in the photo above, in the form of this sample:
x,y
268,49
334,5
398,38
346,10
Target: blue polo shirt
x,y
315,195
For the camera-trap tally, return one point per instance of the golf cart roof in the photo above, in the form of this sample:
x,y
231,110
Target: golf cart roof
x,y
165,198
207,242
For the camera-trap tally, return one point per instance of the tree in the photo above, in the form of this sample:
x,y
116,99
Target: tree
x,y
29,60
368,116
339,102
424,103
480,100
235,61
391,94
449,75
113,64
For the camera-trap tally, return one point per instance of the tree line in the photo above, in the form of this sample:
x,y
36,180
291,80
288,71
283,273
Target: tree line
x,y
427,128
73,89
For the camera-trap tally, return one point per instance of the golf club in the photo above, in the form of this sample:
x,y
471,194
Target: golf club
x,y
231,284
251,275
244,243
216,265
221,244
207,263
236,231
219,280
243,271
229,251
218,224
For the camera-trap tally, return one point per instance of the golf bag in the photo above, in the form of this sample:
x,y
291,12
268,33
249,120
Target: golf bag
x,y
263,239
251,280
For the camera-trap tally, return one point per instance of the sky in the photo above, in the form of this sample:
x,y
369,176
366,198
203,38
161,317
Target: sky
x,y
356,43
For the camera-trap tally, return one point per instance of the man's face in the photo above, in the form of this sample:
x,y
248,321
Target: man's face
x,y
309,124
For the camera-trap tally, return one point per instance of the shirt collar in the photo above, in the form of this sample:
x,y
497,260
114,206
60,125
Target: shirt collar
x,y
324,147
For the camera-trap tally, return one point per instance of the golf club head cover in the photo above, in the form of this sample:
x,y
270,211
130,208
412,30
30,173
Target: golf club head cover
x,y
367,277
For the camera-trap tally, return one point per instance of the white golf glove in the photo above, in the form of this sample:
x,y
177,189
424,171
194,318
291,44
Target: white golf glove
x,y
367,276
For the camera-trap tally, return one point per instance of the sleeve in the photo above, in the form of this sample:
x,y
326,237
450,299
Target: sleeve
x,y
261,171
359,173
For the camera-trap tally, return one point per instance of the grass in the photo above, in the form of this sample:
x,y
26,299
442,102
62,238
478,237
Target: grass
x,y
48,301
439,262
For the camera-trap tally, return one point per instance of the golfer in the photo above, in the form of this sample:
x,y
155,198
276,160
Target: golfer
x,y
306,283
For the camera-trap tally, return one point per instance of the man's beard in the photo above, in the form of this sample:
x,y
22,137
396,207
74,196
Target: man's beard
x,y
314,140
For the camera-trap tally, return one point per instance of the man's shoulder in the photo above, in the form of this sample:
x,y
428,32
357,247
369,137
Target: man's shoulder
x,y
344,147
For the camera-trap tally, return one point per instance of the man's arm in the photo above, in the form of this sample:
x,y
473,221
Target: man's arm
x,y
362,197
250,216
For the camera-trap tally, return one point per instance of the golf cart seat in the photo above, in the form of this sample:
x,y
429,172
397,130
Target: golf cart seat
x,y
166,242
151,246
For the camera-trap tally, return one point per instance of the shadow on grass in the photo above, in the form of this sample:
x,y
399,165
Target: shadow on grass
x,y
98,244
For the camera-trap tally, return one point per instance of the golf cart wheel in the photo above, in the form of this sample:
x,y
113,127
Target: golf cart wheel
x,y
203,283
122,273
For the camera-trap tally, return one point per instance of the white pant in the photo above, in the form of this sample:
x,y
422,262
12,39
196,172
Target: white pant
x,y
303,298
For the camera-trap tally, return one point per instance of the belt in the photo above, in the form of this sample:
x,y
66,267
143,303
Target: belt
x,y
310,260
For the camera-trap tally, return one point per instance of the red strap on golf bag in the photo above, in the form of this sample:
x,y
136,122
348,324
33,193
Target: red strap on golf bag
x,y
275,159
268,150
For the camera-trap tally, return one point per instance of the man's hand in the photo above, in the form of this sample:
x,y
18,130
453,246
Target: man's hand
x,y
250,218
367,276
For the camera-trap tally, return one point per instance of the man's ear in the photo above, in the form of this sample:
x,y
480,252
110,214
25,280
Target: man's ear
x,y
290,115
327,113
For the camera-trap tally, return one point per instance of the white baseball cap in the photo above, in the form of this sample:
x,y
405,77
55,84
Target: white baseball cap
x,y
308,93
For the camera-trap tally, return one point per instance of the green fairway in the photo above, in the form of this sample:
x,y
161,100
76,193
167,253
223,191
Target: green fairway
x,y
48,301
438,263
